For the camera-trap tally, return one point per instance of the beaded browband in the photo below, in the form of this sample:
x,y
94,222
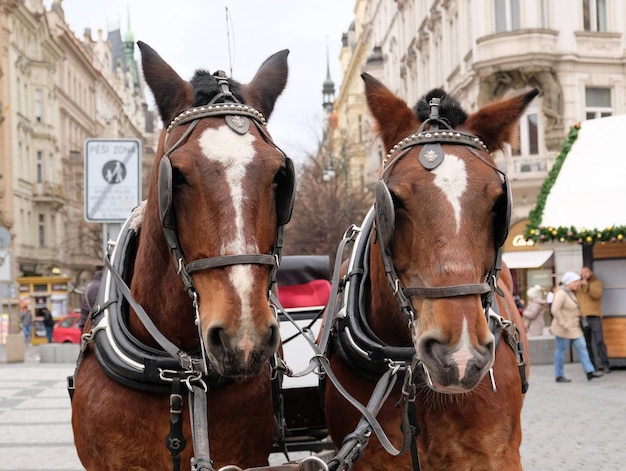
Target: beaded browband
x,y
216,110
424,137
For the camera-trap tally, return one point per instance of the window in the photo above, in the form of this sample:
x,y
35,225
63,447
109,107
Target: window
x,y
507,15
53,234
598,102
528,142
38,105
42,232
39,166
594,15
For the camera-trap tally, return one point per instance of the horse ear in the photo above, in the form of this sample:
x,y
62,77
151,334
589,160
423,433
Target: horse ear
x,y
268,83
171,93
496,123
393,116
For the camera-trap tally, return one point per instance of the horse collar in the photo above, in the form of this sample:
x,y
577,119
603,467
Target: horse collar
x,y
119,353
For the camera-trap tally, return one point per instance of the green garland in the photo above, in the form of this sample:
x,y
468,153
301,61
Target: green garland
x,y
537,233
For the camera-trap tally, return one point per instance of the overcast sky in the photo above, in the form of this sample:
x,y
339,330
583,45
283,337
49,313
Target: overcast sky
x,y
192,34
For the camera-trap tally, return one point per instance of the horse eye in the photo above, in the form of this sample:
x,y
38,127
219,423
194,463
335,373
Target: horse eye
x,y
397,202
178,177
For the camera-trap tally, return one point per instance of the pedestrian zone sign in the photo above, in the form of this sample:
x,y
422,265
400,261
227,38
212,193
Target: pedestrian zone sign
x,y
112,179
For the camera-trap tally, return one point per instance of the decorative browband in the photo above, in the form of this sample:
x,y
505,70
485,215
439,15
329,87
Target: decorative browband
x,y
218,109
424,137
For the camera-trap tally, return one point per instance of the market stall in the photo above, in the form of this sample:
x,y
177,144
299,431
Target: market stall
x,y
582,203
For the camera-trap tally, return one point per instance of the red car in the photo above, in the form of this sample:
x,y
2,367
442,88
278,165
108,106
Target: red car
x,y
66,329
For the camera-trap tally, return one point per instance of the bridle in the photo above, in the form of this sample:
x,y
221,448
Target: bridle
x,y
238,117
434,132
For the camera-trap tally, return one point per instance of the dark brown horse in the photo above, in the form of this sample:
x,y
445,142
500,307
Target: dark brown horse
x,y
199,260
423,295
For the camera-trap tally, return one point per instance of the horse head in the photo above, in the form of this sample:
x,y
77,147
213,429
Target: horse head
x,y
442,215
219,194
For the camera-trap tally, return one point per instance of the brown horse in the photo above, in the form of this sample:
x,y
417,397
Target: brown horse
x,y
184,304
423,299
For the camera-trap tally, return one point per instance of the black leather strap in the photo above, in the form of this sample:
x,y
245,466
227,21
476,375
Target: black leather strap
x,y
152,329
227,260
448,291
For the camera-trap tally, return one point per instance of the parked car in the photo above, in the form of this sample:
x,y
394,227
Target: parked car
x,y
66,329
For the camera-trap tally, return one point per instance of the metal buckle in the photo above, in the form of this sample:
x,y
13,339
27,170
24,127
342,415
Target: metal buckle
x,y
176,404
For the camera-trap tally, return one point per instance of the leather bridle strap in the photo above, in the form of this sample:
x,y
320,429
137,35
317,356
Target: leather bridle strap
x,y
184,359
448,291
227,260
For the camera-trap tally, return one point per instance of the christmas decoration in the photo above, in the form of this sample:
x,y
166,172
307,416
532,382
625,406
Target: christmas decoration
x,y
587,236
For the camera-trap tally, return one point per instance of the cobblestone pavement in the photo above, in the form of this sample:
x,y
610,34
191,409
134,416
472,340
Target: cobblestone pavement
x,y
573,426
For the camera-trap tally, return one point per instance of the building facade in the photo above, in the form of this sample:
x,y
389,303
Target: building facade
x,y
56,91
480,50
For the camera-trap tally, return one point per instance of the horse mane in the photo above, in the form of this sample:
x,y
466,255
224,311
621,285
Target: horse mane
x,y
205,88
450,109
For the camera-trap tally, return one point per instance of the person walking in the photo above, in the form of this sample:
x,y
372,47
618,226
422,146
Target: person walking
x,y
91,294
533,315
589,295
48,323
567,330
26,322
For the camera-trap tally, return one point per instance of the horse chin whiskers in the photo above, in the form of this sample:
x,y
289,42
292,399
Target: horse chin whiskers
x,y
448,381
436,400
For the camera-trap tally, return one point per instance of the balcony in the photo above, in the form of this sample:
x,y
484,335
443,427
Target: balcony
x,y
49,193
599,45
531,169
513,46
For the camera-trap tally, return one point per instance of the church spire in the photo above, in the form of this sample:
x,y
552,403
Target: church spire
x,y
129,51
328,88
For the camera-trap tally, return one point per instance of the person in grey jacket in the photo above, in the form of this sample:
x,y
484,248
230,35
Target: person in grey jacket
x,y
567,330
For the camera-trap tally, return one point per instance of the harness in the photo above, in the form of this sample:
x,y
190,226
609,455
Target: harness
x,y
348,332
169,369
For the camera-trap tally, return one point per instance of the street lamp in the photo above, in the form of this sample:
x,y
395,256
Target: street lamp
x,y
329,173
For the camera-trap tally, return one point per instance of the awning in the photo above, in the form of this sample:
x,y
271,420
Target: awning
x,y
527,258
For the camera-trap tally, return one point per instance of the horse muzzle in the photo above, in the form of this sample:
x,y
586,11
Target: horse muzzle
x,y
241,354
454,369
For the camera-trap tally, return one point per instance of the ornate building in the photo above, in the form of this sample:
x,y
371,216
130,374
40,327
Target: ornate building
x,y
56,91
479,50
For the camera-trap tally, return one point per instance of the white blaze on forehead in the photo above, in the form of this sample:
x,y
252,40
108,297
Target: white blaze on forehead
x,y
451,179
235,152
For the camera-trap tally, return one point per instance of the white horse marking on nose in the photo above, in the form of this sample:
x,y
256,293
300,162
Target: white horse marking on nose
x,y
451,179
235,152
463,354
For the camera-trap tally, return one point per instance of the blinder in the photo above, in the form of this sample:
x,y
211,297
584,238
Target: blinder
x,y
285,193
502,220
385,214
165,193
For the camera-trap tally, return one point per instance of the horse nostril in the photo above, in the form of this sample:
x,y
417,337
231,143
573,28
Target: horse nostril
x,y
215,337
274,337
